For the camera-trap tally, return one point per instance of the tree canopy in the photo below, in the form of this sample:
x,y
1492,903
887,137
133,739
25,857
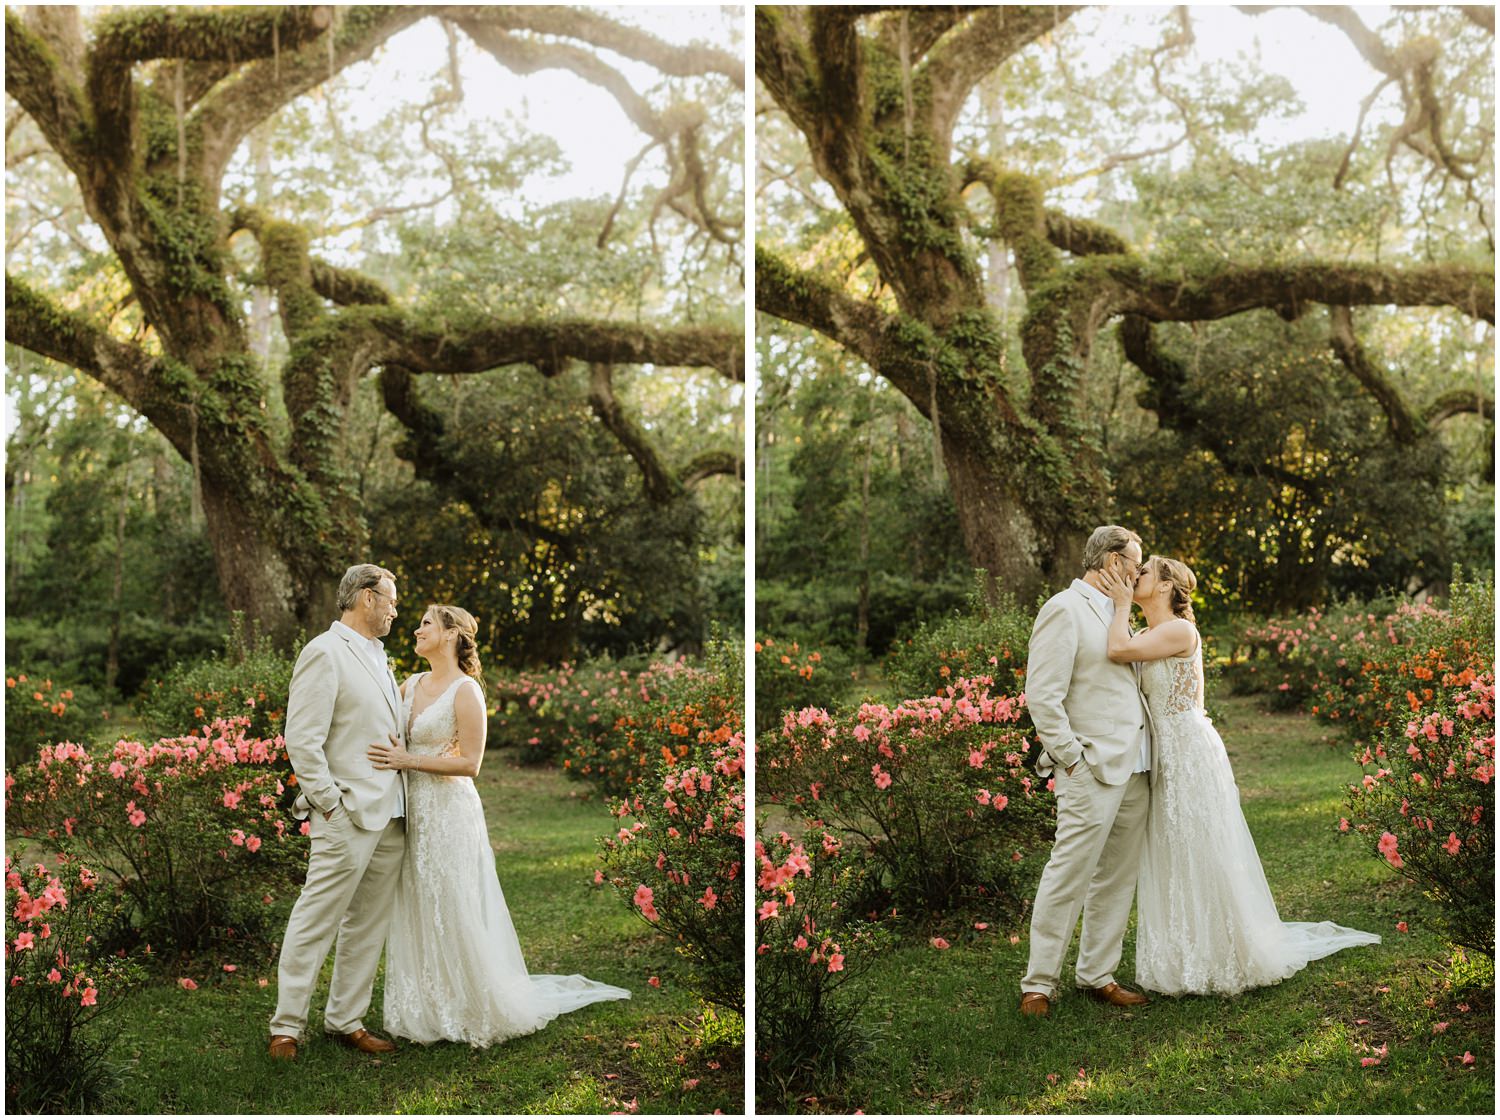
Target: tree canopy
x,y
176,173
1022,220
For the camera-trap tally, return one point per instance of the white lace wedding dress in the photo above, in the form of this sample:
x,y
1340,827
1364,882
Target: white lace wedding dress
x,y
454,968
1206,921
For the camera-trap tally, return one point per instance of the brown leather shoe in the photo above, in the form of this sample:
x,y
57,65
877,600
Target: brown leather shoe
x,y
1036,1005
283,1047
366,1042
1120,997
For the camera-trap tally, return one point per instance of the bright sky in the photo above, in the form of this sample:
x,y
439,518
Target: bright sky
x,y
596,137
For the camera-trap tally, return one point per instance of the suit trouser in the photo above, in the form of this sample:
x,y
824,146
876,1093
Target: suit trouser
x,y
1093,868
350,888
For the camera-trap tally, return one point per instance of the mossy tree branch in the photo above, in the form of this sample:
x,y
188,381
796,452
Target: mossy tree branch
x,y
660,484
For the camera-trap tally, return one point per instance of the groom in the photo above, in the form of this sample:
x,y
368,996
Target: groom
x,y
1095,736
343,698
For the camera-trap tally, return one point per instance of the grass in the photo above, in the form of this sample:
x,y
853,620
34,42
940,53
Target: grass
x,y
944,1035
204,1051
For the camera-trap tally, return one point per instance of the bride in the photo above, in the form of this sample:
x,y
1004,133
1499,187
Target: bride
x,y
1206,921
454,968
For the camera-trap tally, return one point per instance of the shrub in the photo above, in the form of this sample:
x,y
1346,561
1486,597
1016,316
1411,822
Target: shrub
x,y
1426,804
987,640
191,829
679,862
543,716
789,676
59,980
810,942
38,711
250,683
935,790
656,719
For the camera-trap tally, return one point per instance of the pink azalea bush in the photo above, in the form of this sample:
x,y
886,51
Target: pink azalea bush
x,y
811,940
934,792
192,829
1411,689
59,979
544,714
1426,805
676,856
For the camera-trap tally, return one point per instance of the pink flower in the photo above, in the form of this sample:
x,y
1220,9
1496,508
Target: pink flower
x,y
1400,927
691,1082
1343,824
643,899
187,983
938,943
882,779
117,769
598,877
231,799
231,968
983,797
54,977
1439,1028
1387,848
768,909
801,942
262,982
252,844
25,941
1367,1062
306,828
836,962
135,816
1453,844
981,925
999,801
709,899
1467,1059
976,759
654,981
89,998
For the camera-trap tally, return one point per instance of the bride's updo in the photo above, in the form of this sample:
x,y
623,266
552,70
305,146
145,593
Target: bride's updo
x,y
467,648
1181,577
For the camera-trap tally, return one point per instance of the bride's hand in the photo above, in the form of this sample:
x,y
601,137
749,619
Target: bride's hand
x,y
389,756
1117,587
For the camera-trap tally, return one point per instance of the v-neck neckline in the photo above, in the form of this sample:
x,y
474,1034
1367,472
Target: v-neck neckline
x,y
415,715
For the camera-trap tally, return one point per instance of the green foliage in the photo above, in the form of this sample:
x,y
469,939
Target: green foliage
x,y
543,716
791,675
986,640
60,979
191,829
243,680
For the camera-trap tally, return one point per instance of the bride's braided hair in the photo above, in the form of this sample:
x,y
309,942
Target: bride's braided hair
x,y
1181,577
467,648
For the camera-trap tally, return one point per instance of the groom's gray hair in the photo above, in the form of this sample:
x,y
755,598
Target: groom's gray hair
x,y
1104,540
359,577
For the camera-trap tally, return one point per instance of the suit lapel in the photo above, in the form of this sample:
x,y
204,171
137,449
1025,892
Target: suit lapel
x,y
1094,607
384,685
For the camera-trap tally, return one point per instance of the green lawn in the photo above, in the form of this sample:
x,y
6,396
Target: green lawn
x,y
945,1036
204,1051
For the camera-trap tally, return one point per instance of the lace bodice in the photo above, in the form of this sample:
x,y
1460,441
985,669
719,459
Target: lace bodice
x,y
1173,685
434,731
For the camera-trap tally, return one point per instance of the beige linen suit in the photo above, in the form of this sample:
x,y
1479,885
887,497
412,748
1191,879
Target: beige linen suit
x,y
1088,711
339,704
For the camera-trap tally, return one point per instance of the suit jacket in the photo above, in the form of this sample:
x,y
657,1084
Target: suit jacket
x,y
1084,705
338,705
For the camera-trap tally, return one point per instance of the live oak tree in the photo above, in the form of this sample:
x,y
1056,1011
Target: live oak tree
x,y
876,96
147,107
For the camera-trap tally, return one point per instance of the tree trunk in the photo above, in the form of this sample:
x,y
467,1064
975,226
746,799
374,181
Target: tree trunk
x,y
862,622
253,575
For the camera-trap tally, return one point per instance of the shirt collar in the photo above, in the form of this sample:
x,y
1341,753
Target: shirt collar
x,y
373,645
1095,594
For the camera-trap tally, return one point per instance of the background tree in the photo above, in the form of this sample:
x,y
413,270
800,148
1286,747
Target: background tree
x,y
914,185
146,112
